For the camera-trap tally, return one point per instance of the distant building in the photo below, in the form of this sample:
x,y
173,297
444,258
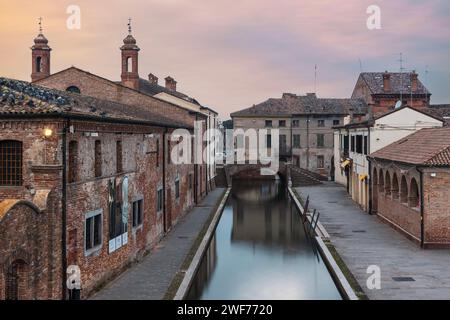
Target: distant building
x,y
355,140
411,186
305,126
382,90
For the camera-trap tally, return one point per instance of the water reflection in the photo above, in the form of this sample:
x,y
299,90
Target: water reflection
x,y
260,251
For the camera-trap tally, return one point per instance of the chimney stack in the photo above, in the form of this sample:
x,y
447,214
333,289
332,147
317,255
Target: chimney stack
x,y
171,84
386,81
152,78
414,81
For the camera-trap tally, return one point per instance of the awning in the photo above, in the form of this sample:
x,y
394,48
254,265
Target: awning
x,y
345,164
363,177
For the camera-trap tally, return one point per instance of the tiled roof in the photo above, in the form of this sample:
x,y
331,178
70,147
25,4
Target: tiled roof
x,y
153,89
22,98
400,83
424,147
291,104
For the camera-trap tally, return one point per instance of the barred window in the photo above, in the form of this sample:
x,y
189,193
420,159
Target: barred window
x,y
10,163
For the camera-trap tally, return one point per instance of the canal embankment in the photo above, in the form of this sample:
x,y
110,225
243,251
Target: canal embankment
x,y
258,249
407,272
157,273
344,279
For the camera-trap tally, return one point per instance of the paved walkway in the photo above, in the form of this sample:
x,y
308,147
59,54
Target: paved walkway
x,y
363,240
150,279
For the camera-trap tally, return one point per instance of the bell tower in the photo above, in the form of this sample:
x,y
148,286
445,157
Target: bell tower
x,y
130,53
40,55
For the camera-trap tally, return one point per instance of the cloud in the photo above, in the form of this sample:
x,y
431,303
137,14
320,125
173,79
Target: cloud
x,y
231,55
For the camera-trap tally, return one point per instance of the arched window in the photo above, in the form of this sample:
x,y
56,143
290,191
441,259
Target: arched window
x,y
10,163
16,281
129,64
395,188
381,181
403,191
38,64
414,194
388,184
73,89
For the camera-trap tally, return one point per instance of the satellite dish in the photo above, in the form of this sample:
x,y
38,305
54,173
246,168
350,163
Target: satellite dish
x,y
398,104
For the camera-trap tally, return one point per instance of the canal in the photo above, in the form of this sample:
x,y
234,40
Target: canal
x,y
260,250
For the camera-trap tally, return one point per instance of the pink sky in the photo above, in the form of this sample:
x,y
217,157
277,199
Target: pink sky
x,y
232,54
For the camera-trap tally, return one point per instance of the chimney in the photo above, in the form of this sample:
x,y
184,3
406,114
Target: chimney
x,y
386,81
171,84
152,78
414,77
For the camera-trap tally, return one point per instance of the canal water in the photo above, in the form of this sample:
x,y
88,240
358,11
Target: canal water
x,y
260,250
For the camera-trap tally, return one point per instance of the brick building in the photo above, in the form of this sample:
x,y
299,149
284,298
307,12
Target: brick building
x,y
86,177
382,90
305,125
411,186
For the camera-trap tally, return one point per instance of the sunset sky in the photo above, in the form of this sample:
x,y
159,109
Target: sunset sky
x,y
233,54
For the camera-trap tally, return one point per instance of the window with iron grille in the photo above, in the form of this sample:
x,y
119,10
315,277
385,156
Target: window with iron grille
x,y
320,162
93,231
10,163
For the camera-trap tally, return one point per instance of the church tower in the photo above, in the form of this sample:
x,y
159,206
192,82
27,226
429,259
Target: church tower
x,y
130,75
40,55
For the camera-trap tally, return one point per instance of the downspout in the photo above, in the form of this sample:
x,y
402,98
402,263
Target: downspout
x,y
422,223
64,211
207,168
195,167
307,142
370,170
164,180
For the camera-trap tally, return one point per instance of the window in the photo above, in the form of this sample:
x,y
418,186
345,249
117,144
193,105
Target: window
x,y
269,141
365,145
353,144
73,161
403,191
282,123
159,200
321,123
359,144
320,140
73,89
129,65
296,123
98,158
119,159
38,64
16,280
320,162
345,143
296,140
137,213
268,123
336,122
93,231
10,163
177,188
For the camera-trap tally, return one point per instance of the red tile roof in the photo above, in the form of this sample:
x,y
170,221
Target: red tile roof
x,y
424,147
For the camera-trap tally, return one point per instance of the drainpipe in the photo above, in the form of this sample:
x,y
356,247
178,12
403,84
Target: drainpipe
x,y
206,165
370,171
422,224
64,211
307,142
195,166
164,179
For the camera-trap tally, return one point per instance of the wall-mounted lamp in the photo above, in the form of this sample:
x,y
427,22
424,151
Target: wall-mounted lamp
x,y
48,132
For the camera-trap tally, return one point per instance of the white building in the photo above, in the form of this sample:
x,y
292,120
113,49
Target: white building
x,y
355,140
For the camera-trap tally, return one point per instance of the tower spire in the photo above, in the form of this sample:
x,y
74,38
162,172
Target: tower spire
x,y
129,25
40,24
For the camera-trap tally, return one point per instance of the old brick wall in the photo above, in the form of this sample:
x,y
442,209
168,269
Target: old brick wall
x,y
92,85
437,205
28,236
